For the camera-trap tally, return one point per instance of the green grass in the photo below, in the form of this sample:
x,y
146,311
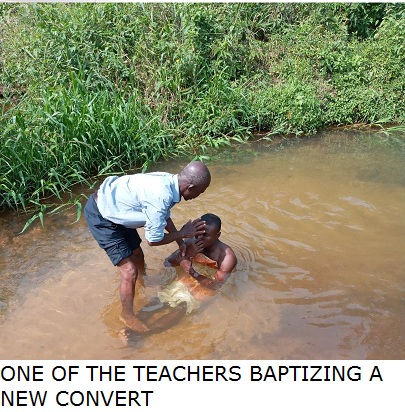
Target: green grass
x,y
93,89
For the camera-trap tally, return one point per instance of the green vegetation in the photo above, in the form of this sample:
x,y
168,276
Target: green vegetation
x,y
92,89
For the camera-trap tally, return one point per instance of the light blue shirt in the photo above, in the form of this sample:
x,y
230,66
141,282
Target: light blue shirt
x,y
142,199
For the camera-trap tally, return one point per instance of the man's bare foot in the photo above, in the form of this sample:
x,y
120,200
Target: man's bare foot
x,y
134,323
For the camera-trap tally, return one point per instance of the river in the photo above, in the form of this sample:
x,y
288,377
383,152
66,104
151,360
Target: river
x,y
318,227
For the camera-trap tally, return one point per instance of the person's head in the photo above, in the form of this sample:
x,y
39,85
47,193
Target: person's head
x,y
212,229
194,180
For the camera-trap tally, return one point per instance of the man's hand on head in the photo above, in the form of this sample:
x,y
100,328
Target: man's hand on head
x,y
193,228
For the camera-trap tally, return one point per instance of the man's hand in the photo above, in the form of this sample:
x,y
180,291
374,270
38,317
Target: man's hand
x,y
197,246
193,228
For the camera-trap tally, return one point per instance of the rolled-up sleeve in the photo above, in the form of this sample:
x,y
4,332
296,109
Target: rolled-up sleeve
x,y
156,218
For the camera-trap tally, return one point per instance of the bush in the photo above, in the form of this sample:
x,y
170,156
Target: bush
x,y
90,89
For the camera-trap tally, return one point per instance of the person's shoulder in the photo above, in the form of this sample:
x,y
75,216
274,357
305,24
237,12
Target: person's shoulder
x,y
226,256
158,182
163,180
226,248
162,175
229,254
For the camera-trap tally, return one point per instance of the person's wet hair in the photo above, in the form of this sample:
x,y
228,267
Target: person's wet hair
x,y
212,220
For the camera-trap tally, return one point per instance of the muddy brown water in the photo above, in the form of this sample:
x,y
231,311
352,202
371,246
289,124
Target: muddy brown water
x,y
318,227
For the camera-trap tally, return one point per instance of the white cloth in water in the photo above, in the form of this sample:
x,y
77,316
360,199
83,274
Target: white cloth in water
x,y
176,293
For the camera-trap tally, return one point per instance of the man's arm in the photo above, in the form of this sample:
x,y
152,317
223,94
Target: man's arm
x,y
171,228
190,229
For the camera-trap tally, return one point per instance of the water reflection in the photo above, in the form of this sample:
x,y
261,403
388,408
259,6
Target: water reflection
x,y
318,231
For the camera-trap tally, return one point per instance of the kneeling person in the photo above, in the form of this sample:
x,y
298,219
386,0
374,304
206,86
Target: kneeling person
x,y
187,292
208,250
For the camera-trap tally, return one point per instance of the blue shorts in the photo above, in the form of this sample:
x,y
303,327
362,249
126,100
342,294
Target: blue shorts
x,y
118,241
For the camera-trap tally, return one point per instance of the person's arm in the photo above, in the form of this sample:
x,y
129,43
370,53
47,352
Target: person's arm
x,y
171,228
190,229
193,246
222,275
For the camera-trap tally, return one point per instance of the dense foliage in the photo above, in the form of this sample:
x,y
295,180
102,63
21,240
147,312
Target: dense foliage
x,y
88,89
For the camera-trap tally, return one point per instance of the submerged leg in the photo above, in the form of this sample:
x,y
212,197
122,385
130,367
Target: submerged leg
x,y
169,319
154,306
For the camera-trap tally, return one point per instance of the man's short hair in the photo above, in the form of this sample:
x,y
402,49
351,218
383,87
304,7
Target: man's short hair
x,y
200,179
212,220
196,173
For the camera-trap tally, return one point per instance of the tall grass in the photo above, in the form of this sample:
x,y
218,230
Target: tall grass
x,y
92,89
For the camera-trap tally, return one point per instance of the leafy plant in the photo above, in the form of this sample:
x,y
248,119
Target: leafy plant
x,y
93,89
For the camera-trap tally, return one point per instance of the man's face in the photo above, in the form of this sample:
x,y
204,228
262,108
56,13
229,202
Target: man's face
x,y
210,236
194,191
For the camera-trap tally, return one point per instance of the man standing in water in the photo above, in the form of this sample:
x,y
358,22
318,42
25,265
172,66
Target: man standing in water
x,y
123,204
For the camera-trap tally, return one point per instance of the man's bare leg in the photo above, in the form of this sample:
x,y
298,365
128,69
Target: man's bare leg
x,y
129,273
139,260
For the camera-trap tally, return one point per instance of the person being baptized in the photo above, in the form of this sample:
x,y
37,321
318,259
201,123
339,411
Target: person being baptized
x,y
215,261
